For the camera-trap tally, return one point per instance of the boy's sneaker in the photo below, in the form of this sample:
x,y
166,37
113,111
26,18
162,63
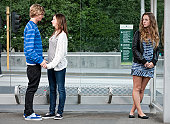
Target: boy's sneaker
x,y
48,116
58,117
35,114
33,117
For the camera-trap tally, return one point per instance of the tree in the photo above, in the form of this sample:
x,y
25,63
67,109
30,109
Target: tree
x,y
93,25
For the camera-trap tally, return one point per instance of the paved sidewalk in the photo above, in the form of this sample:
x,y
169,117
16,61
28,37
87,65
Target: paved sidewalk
x,y
80,114
83,118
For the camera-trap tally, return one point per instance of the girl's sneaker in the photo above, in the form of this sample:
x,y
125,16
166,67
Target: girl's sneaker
x,y
58,117
48,116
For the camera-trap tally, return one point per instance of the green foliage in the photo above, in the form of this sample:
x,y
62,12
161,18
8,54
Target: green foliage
x,y
100,23
93,25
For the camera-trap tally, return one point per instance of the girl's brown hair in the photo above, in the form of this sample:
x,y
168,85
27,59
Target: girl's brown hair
x,y
151,31
62,24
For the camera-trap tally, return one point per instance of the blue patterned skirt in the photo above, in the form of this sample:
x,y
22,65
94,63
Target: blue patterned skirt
x,y
140,69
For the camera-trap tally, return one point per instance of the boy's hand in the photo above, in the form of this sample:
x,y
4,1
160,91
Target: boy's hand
x,y
44,62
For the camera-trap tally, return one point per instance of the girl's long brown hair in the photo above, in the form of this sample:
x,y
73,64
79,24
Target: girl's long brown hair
x,y
62,24
151,31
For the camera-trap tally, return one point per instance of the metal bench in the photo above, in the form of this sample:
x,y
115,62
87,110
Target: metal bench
x,y
84,95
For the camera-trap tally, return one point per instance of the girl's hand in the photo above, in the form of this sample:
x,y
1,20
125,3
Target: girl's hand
x,y
45,66
150,65
146,64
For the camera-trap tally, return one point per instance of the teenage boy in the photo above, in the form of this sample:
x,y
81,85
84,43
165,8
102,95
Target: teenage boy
x,y
34,58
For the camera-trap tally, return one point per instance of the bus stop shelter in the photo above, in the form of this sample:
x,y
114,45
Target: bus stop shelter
x,y
166,107
166,92
166,101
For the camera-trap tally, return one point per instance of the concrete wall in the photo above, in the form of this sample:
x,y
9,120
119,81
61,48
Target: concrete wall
x,y
75,60
105,60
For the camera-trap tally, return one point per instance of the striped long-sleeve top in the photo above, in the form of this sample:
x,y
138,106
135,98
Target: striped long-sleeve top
x,y
32,44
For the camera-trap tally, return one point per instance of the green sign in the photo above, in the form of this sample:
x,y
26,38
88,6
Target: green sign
x,y
126,37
